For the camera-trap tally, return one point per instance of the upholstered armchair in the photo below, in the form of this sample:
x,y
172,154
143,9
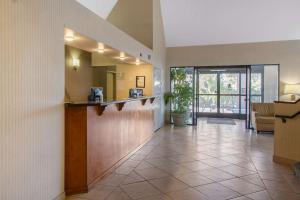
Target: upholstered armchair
x,y
262,118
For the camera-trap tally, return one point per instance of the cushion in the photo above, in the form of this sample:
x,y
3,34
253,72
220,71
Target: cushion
x,y
263,109
265,120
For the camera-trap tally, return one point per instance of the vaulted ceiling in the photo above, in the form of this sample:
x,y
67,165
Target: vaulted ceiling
x,y
99,7
204,22
207,22
135,17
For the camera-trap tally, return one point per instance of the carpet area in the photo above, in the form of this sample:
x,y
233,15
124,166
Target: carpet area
x,y
221,121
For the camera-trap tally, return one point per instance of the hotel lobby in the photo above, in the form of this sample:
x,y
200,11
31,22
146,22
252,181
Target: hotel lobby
x,y
149,100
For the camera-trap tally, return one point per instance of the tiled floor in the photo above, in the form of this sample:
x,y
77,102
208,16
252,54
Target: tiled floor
x,y
207,162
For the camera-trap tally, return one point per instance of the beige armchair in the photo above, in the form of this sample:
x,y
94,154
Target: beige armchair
x,y
262,117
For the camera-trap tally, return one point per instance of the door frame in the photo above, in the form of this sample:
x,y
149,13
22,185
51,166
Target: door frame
x,y
218,72
248,106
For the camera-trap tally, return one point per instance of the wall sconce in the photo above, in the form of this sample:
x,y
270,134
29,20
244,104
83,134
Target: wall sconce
x,y
293,90
101,48
69,36
75,63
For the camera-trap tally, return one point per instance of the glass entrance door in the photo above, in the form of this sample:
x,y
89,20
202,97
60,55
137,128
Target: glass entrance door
x,y
208,92
228,91
221,92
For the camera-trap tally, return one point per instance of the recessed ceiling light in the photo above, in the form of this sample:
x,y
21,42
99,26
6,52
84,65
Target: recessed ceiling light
x,y
122,56
137,61
101,48
69,36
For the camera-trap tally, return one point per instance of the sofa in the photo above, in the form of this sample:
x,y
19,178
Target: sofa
x,y
263,117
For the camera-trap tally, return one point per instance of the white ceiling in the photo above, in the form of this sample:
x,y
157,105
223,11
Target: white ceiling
x,y
207,22
99,7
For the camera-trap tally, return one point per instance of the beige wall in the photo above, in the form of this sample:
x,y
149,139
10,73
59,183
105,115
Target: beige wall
x,y
79,82
134,17
285,53
32,97
128,79
101,60
32,67
159,61
126,75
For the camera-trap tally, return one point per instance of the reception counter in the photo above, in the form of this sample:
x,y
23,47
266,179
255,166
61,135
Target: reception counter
x,y
99,135
287,132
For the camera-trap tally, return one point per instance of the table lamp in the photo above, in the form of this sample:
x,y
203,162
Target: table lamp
x,y
293,90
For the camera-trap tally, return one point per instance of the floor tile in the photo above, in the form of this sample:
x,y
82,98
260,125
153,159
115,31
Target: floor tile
x,y
293,181
125,170
201,156
140,190
216,174
160,162
278,185
247,165
270,176
113,180
253,178
279,195
217,191
151,173
200,162
118,194
262,195
175,170
241,186
168,184
194,179
130,163
137,157
234,159
74,198
181,158
241,198
236,170
196,165
214,162
133,177
143,165
156,197
97,193
188,194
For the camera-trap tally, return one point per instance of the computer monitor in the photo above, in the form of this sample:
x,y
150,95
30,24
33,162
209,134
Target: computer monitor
x,y
96,94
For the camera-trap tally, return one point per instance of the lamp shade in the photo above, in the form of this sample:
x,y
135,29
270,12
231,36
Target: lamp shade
x,y
292,89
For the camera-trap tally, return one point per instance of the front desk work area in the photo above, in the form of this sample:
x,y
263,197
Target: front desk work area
x,y
109,110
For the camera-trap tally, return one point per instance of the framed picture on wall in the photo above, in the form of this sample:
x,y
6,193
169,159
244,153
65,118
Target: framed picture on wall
x,y
140,81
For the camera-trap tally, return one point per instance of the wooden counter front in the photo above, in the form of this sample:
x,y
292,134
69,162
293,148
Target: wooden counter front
x,y
94,143
287,132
